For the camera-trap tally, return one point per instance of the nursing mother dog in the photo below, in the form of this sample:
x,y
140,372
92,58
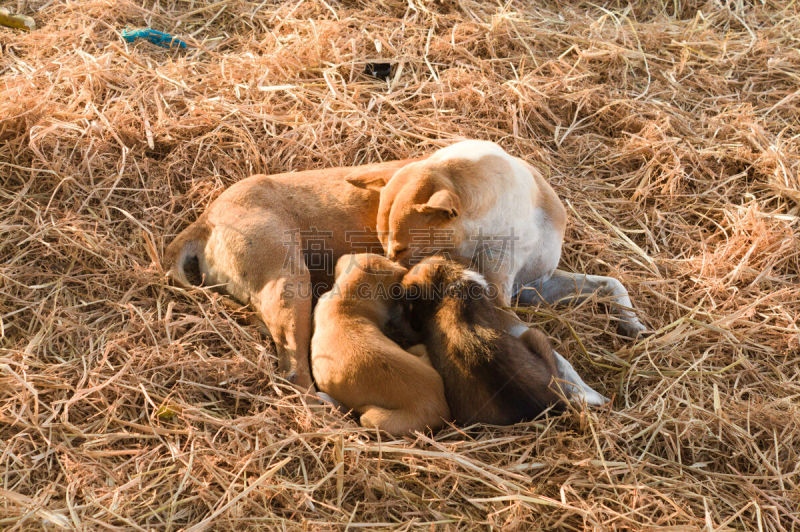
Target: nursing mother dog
x,y
270,241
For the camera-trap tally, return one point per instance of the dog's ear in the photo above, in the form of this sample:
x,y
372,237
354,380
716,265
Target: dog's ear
x,y
368,181
441,202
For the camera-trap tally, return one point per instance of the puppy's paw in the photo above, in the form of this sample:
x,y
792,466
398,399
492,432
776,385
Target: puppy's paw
x,y
590,397
420,352
327,399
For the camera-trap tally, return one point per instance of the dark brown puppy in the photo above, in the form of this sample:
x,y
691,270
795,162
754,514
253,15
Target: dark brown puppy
x,y
490,375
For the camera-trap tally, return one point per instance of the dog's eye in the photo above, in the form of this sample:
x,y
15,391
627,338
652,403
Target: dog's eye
x,y
398,252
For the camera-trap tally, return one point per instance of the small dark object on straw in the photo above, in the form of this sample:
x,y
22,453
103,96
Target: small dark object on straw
x,y
378,70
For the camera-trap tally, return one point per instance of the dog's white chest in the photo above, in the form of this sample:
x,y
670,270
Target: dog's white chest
x,y
515,234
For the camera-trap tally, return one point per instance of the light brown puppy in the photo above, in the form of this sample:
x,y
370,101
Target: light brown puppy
x,y
271,241
354,362
490,375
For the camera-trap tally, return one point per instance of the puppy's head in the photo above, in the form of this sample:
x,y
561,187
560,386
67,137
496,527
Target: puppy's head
x,y
419,214
362,275
436,279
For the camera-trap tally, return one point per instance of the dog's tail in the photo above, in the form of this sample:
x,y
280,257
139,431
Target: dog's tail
x,y
185,256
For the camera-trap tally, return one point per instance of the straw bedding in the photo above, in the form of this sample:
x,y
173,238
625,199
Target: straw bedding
x,y
669,129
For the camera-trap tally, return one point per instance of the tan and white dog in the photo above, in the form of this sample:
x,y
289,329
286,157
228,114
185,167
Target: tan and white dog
x,y
271,240
358,365
475,201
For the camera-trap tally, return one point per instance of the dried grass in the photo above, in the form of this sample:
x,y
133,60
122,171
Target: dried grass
x,y
670,129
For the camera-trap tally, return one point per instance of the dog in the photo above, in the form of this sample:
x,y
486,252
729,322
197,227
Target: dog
x,y
272,241
490,376
475,201
355,363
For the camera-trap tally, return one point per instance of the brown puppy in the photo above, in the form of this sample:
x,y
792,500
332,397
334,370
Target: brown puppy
x,y
354,362
490,375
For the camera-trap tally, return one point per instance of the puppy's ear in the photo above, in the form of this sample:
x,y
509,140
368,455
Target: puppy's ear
x,y
383,266
399,271
345,264
369,181
442,202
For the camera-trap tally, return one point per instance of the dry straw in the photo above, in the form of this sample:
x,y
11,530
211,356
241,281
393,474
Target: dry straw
x,y
670,129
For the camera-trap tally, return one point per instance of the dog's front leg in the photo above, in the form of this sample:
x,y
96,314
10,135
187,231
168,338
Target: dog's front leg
x,y
568,379
563,285
285,307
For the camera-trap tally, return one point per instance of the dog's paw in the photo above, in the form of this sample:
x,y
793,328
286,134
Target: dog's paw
x,y
299,381
590,397
633,329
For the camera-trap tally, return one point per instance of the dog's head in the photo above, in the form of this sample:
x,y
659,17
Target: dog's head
x,y
445,294
437,278
419,213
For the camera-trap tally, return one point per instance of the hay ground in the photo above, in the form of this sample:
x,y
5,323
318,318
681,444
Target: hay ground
x,y
670,130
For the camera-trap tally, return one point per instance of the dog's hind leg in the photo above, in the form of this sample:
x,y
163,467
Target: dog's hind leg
x,y
568,379
427,412
285,306
563,285
413,389
397,421
274,272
